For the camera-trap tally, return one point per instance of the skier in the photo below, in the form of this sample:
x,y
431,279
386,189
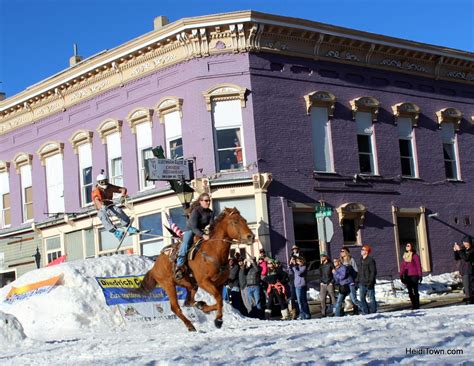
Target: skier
x,y
102,196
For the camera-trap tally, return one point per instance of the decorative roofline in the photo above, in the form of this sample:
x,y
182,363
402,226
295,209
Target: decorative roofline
x,y
238,32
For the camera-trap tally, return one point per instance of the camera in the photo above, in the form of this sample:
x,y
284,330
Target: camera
x,y
460,245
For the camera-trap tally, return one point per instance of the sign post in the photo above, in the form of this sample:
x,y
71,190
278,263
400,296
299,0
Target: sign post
x,y
325,227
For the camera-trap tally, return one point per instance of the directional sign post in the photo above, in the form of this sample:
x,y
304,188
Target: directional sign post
x,y
323,214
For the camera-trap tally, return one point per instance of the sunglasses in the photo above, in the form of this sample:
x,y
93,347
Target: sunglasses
x,y
206,200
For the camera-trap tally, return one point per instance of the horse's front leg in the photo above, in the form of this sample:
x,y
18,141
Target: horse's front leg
x,y
216,292
170,289
190,293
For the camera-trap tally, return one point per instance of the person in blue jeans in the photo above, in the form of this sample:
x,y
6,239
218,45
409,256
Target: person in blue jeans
x,y
253,288
200,216
299,270
351,265
366,279
343,279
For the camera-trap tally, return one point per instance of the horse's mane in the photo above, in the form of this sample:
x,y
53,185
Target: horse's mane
x,y
221,217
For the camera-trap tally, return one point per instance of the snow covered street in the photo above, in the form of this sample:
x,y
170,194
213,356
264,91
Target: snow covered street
x,y
71,325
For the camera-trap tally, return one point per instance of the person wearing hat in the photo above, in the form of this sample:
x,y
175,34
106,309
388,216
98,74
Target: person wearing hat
x,y
294,309
102,196
327,282
366,279
351,264
465,255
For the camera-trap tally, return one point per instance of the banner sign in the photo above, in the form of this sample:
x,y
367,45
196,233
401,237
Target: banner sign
x,y
33,289
120,290
133,306
167,169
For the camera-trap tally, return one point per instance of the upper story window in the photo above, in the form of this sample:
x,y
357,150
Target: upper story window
x,y
406,116
226,103
110,131
170,113
5,217
82,144
365,110
23,166
53,248
140,122
321,107
51,156
450,120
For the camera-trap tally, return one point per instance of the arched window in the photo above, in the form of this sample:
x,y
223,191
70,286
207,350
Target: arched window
x,y
406,116
320,105
51,156
82,145
110,134
225,102
22,163
170,113
449,120
141,123
5,218
365,111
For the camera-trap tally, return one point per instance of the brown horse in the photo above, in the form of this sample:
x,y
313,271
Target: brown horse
x,y
209,266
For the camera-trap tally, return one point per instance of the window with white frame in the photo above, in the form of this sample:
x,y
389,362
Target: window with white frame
x,y
26,192
245,205
85,172
322,141
174,139
450,151
227,117
114,157
53,248
366,143
406,142
144,146
5,219
151,243
55,183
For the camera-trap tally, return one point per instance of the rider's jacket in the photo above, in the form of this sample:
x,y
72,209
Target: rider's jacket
x,y
105,195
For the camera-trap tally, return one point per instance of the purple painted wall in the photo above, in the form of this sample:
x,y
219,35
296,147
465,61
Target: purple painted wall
x,y
284,147
187,80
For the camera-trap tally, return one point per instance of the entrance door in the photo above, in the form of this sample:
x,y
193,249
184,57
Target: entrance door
x,y
410,227
306,234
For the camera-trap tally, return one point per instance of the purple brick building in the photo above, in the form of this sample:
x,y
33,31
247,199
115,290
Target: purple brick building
x,y
284,118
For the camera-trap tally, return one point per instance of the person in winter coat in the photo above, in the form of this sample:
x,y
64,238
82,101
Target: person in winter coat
x,y
299,271
366,279
233,285
351,264
411,274
253,286
276,279
327,282
342,278
465,255
295,253
243,285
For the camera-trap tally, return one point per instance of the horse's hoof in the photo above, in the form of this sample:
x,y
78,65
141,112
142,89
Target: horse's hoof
x,y
187,304
218,323
192,329
200,304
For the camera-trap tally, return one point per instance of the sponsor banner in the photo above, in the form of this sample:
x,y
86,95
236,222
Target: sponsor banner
x,y
121,290
32,289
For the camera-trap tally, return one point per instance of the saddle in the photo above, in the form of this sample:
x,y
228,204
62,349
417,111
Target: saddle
x,y
172,252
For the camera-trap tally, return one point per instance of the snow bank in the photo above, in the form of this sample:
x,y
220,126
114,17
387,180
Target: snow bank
x,y
78,304
11,331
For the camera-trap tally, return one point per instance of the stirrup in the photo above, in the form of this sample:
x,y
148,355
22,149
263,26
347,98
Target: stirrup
x,y
179,273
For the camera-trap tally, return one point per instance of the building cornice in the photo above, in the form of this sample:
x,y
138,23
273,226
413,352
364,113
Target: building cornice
x,y
238,32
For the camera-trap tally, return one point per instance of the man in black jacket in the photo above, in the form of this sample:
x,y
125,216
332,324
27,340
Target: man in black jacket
x,y
366,280
465,255
327,282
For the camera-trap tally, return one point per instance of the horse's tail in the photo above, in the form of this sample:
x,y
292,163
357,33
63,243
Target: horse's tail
x,y
148,283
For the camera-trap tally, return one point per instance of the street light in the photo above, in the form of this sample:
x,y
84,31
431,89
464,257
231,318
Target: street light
x,y
185,193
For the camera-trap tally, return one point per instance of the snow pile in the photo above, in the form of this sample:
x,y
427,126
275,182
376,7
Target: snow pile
x,y
11,330
78,302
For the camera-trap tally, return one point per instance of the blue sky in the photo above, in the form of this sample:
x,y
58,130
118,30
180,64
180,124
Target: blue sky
x,y
37,36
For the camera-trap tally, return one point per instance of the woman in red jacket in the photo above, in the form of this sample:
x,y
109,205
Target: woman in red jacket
x,y
411,275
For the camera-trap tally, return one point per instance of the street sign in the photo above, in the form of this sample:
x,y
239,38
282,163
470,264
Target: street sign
x,y
166,169
323,211
325,229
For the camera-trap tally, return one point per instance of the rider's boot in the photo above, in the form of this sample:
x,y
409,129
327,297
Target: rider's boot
x,y
180,269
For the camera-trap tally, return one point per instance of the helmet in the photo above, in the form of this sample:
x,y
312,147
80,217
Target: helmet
x,y
102,180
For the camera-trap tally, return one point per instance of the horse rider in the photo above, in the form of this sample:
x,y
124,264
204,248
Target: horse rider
x,y
200,216
102,196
